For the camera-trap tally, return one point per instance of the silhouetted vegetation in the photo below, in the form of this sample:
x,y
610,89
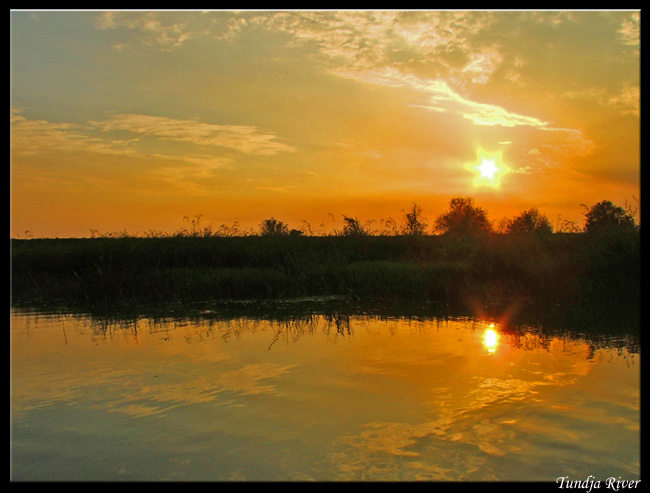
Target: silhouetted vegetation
x,y
530,222
273,227
464,219
353,227
605,217
594,274
415,224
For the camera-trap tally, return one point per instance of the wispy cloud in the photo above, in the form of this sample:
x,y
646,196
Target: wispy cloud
x,y
189,169
31,137
442,98
37,136
630,30
396,49
149,25
559,152
373,40
628,101
243,138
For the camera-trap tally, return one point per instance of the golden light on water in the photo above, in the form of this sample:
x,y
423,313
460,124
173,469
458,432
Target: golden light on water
x,y
488,168
490,338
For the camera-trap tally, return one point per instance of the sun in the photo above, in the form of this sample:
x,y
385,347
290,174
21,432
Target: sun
x,y
488,168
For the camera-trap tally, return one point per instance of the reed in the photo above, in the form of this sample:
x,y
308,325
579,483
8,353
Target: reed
x,y
578,270
592,275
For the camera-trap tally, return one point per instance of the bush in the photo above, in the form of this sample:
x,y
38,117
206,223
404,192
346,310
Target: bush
x,y
273,227
464,219
529,222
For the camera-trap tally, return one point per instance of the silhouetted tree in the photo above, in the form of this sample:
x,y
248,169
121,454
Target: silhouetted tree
x,y
415,224
530,221
607,217
273,227
464,219
612,260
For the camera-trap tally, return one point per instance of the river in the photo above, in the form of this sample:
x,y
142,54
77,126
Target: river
x,y
319,397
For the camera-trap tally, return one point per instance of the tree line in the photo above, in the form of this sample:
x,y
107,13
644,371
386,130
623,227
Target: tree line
x,y
465,218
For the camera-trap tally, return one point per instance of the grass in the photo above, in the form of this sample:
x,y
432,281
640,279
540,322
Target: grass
x,y
593,277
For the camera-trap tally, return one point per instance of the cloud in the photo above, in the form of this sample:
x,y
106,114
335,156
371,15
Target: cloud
x,y
442,98
243,138
559,153
189,169
481,66
31,137
628,101
152,30
38,136
574,145
380,47
366,40
557,149
552,18
390,48
626,98
630,30
351,38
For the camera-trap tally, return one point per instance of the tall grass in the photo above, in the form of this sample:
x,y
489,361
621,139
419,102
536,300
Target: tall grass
x,y
593,276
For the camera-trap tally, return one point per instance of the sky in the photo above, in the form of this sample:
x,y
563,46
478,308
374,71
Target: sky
x,y
137,121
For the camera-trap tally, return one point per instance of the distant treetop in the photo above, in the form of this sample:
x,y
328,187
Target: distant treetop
x,y
607,217
464,219
530,221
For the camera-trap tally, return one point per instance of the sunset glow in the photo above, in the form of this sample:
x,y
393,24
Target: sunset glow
x,y
133,120
489,169
490,338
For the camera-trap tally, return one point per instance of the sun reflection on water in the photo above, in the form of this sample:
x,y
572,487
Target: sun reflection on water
x,y
490,338
449,400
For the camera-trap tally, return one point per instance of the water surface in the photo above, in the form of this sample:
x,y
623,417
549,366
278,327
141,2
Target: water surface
x,y
320,397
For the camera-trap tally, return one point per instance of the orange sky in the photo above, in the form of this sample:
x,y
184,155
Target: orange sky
x,y
129,121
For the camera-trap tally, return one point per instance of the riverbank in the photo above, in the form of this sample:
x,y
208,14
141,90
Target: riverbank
x,y
599,277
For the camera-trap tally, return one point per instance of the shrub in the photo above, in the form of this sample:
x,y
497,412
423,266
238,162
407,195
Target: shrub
x,y
464,219
415,225
273,227
530,221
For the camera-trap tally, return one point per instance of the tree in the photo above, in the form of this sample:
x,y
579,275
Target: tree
x,y
273,227
464,219
415,224
530,221
607,217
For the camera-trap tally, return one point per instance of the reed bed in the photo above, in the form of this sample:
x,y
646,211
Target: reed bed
x,y
596,276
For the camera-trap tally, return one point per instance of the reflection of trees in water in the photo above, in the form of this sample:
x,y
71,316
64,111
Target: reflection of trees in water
x,y
536,339
292,324
208,324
